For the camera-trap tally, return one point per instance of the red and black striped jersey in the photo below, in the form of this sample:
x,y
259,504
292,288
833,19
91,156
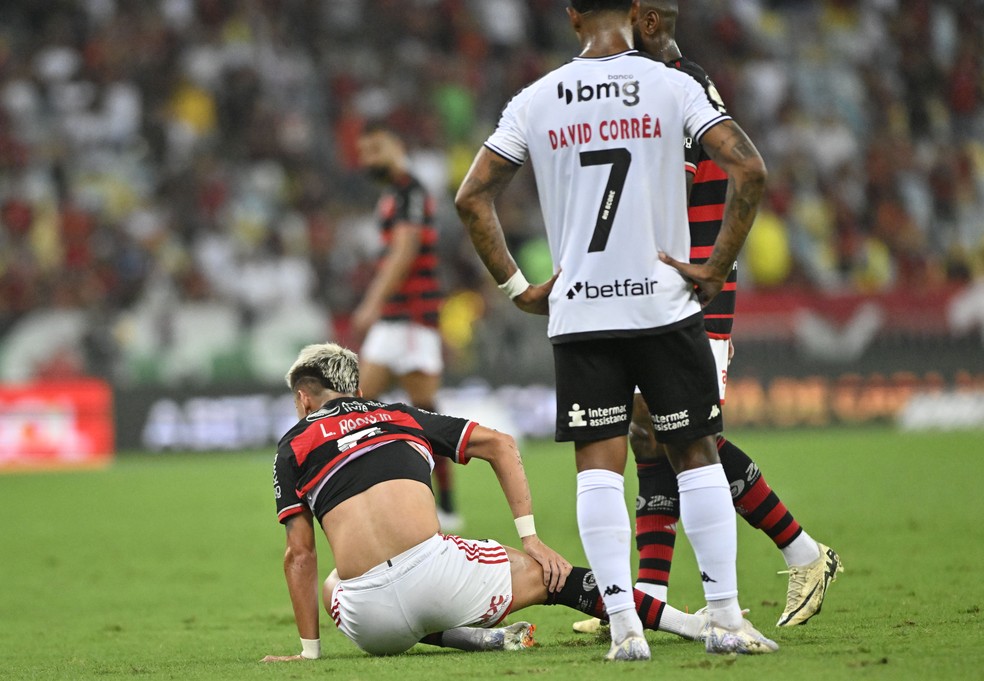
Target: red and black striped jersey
x,y
705,212
420,296
349,428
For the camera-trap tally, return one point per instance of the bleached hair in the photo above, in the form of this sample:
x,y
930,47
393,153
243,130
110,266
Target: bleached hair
x,y
334,367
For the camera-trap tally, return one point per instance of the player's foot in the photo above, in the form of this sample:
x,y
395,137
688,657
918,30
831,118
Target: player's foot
x,y
705,625
518,636
450,521
590,626
808,587
746,640
631,649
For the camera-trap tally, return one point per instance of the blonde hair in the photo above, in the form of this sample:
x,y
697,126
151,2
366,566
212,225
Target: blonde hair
x,y
334,367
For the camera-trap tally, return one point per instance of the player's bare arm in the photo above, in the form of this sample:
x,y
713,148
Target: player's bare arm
x,y
728,145
500,450
301,572
487,178
403,249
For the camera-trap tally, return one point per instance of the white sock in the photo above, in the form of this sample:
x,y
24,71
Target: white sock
x,y
801,551
603,522
657,591
708,518
725,612
680,623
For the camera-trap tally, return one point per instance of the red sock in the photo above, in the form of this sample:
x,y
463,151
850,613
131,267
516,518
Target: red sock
x,y
657,514
754,499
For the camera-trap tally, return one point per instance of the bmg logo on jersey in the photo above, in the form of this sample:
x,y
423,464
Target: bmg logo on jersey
x,y
589,92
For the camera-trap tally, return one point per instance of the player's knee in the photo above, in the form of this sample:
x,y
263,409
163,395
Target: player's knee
x,y
642,442
527,580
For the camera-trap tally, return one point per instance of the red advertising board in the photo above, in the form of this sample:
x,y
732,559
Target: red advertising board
x,y
55,425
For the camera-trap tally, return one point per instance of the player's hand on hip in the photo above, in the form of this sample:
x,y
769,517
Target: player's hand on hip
x,y
536,299
555,566
705,279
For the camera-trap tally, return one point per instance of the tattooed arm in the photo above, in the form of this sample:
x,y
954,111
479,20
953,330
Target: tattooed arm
x,y
486,179
728,145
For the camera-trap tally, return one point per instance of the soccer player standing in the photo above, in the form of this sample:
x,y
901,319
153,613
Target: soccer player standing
x,y
398,315
603,133
812,566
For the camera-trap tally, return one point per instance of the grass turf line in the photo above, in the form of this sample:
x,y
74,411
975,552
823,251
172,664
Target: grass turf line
x,y
169,567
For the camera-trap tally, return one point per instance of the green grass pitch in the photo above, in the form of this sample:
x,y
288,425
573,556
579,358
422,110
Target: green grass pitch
x,y
170,567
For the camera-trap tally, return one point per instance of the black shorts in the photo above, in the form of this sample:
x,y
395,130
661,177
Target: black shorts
x,y
675,371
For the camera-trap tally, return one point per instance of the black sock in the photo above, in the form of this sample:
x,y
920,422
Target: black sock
x,y
581,593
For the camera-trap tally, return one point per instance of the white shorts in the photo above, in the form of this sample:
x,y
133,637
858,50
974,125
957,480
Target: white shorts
x,y
720,350
442,583
403,347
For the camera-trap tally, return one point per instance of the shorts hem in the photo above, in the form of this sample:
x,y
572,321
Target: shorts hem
x,y
690,434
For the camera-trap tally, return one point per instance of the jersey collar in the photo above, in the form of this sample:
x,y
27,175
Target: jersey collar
x,y
607,57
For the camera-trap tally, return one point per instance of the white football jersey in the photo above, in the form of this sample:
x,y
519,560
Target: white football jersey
x,y
605,137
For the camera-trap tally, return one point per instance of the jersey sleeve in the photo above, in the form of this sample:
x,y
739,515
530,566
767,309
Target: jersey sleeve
x,y
413,206
509,139
448,435
285,486
703,108
691,155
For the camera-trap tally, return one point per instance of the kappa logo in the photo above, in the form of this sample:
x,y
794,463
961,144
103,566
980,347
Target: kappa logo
x,y
715,412
704,577
577,416
589,92
613,589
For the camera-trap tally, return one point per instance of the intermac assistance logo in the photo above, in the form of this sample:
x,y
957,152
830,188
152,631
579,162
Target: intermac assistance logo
x,y
596,416
624,288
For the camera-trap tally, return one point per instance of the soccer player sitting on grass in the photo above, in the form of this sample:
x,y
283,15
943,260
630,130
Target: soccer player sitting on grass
x,y
362,468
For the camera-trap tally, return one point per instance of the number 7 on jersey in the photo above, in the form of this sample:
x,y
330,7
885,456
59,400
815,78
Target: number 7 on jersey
x,y
619,159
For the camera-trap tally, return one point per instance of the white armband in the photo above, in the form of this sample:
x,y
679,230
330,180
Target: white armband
x,y
515,285
311,648
525,526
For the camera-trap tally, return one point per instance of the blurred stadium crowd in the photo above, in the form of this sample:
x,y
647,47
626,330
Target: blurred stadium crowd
x,y
199,155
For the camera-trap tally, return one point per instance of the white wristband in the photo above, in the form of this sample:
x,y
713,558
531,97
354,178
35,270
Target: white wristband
x,y
515,285
311,648
525,526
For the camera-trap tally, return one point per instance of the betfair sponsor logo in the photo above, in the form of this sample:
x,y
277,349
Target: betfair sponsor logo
x,y
624,288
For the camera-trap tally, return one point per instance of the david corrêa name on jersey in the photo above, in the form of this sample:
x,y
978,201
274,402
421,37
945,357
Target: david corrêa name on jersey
x,y
645,127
